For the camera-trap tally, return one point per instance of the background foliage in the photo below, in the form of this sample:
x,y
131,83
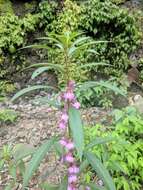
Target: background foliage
x,y
122,157
101,20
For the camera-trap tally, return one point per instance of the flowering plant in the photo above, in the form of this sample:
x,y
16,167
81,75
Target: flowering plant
x,y
74,154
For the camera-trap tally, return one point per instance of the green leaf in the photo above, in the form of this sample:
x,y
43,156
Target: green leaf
x,y
100,140
29,89
83,165
36,47
21,166
36,160
21,151
81,40
40,70
58,148
12,171
105,84
100,170
56,66
64,184
75,49
77,130
9,186
46,186
92,51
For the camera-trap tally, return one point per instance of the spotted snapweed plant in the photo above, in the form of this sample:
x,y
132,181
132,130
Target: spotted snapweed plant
x,y
73,153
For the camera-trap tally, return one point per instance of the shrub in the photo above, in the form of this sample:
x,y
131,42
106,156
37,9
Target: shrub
x,y
68,18
5,7
13,32
6,87
122,157
103,20
48,13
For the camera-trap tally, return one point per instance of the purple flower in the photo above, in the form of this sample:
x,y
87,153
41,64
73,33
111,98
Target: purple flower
x,y
70,187
70,145
76,105
62,125
87,188
63,142
72,179
69,96
64,117
73,169
69,158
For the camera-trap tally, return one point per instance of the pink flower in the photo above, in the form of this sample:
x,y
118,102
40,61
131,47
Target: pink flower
x,y
76,105
73,169
69,158
69,96
64,117
70,187
70,145
62,125
72,179
63,142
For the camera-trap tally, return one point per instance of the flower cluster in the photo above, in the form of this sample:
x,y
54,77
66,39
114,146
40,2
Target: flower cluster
x,y
69,100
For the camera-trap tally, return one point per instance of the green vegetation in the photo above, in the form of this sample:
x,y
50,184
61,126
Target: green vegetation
x,y
122,157
8,116
5,7
89,47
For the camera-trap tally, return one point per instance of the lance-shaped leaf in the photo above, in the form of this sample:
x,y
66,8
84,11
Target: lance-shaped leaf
x,y
92,51
29,89
101,171
21,151
36,46
110,86
100,140
77,130
40,70
51,65
81,40
75,49
36,160
46,186
83,166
